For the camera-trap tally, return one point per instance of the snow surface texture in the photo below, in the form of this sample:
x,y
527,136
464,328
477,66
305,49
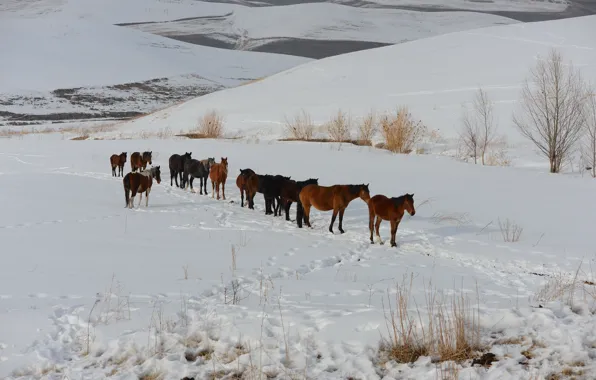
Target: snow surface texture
x,y
100,54
251,27
75,254
497,59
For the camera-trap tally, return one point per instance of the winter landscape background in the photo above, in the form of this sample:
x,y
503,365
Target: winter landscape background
x,y
191,286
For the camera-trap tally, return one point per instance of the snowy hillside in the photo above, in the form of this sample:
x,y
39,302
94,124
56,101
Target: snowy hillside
x,y
248,28
434,77
84,61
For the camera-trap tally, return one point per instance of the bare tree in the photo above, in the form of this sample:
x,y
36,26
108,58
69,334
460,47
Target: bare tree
x,y
588,144
552,114
470,135
479,128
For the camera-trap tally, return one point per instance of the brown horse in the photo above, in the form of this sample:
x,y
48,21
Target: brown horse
x,y
218,175
118,161
327,198
241,183
391,209
138,161
140,183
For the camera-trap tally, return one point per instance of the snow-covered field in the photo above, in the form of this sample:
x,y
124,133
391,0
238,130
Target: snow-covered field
x,y
68,240
198,287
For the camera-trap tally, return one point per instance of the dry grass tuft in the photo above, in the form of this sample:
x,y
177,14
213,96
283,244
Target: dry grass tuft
x,y
210,126
367,128
566,288
339,127
510,231
153,374
400,132
301,127
450,332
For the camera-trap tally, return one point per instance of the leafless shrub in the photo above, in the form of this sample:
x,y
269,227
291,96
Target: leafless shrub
x,y
300,127
367,128
458,219
339,127
479,127
211,125
510,231
588,143
552,115
165,133
400,132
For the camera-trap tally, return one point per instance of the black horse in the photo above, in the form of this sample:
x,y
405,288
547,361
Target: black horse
x,y
177,167
290,192
270,186
197,169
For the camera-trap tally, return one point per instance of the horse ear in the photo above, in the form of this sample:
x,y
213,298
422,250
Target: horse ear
x,y
412,195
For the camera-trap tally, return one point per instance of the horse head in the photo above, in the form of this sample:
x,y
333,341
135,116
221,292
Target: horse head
x,y
409,204
156,173
364,192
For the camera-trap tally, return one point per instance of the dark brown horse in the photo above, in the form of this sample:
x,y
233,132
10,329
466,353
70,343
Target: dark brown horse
x,y
241,183
290,191
391,209
327,198
140,183
177,167
138,161
118,161
218,175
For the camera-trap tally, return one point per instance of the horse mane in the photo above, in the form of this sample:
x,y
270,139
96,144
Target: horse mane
x,y
354,189
398,200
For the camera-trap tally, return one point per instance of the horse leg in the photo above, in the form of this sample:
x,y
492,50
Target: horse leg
x,y
241,197
201,185
251,200
394,224
140,198
113,171
307,215
190,181
121,170
212,189
341,219
287,209
172,175
205,178
377,225
223,189
132,197
147,197
335,211
371,222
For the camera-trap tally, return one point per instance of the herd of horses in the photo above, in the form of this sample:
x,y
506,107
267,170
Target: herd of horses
x,y
277,190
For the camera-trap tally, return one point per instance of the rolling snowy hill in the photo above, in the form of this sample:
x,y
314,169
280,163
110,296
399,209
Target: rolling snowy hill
x,y
497,59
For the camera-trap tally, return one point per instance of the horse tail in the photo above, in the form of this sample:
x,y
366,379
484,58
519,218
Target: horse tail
x,y
126,184
299,213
